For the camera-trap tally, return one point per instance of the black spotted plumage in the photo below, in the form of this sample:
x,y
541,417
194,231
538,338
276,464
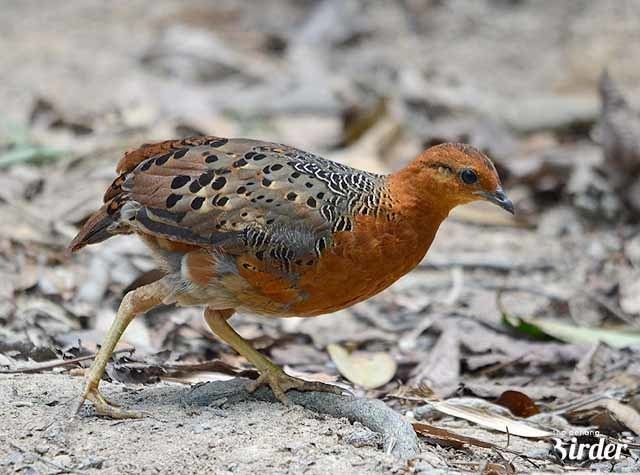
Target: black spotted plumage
x,y
287,202
179,181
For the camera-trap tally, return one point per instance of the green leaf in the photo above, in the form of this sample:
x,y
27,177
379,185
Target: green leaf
x,y
540,328
522,326
16,146
28,154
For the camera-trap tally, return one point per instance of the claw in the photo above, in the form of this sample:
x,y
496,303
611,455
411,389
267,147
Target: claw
x,y
103,406
280,382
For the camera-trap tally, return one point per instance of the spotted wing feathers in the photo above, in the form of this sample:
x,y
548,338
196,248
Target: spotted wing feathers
x,y
275,201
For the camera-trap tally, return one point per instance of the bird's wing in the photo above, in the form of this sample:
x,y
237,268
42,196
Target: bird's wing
x,y
277,202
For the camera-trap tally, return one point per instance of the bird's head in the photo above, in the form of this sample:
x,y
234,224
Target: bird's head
x,y
455,174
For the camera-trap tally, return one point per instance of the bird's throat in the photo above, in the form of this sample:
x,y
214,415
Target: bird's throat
x,y
416,201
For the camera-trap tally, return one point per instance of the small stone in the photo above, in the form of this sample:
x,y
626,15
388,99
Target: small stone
x,y
55,433
63,459
363,438
91,462
216,411
200,428
41,449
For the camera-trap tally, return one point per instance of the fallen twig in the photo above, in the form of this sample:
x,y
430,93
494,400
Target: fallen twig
x,y
446,437
211,365
57,363
397,434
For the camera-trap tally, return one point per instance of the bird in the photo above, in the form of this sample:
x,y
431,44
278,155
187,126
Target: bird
x,y
241,225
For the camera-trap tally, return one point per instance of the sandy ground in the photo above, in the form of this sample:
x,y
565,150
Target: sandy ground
x,y
39,436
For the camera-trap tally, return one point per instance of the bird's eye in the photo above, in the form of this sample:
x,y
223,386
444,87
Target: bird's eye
x,y
468,176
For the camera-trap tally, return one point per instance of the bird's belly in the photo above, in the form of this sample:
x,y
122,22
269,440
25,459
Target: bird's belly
x,y
358,266
350,283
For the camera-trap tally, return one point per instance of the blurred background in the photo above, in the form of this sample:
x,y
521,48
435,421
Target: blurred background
x,y
499,302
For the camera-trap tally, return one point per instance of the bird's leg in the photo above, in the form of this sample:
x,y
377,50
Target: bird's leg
x,y
270,374
133,304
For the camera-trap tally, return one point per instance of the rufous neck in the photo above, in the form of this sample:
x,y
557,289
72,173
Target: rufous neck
x,y
418,198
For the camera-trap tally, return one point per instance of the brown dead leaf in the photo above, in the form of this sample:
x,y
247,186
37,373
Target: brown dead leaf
x,y
498,469
443,437
518,403
448,438
609,415
369,370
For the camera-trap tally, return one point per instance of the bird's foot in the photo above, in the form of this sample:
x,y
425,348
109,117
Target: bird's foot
x,y
103,406
280,382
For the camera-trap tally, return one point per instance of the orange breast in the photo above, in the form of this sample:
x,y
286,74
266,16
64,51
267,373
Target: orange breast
x,y
359,265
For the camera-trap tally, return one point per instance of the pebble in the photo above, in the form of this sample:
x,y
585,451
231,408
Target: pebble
x,y
63,460
91,462
363,438
200,428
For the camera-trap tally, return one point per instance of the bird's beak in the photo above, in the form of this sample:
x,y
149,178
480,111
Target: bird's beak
x,y
499,197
